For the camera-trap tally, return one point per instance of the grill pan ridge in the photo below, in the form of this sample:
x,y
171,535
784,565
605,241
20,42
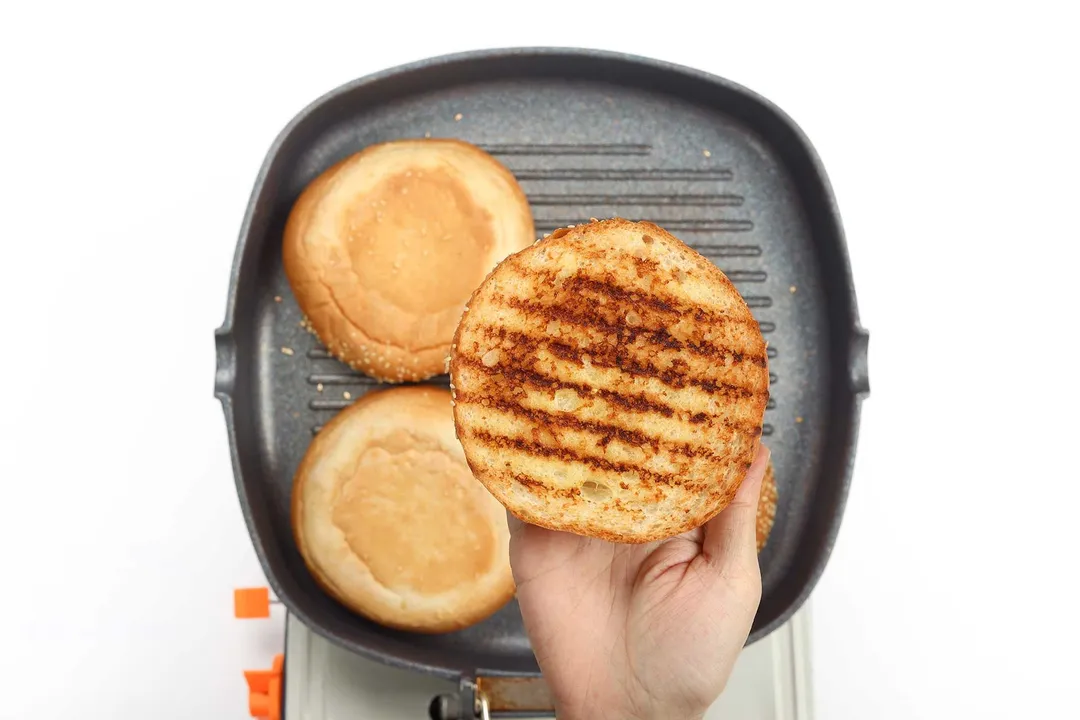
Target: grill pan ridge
x,y
587,134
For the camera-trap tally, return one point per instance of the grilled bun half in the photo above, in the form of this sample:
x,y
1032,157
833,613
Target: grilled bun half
x,y
766,509
390,521
383,249
610,382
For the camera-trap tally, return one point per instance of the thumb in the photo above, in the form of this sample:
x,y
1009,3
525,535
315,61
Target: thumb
x,y
514,523
731,536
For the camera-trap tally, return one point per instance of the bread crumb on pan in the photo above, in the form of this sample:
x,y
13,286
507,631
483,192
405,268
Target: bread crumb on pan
x,y
286,351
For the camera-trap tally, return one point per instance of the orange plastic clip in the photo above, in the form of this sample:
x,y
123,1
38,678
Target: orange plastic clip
x,y
251,603
264,690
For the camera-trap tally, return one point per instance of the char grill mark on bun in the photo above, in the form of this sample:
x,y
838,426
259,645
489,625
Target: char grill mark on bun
x,y
610,385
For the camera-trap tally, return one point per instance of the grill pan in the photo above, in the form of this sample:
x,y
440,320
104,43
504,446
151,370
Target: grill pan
x,y
587,134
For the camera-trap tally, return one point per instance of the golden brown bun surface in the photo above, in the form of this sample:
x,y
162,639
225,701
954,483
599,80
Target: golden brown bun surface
x,y
611,382
383,249
391,522
766,509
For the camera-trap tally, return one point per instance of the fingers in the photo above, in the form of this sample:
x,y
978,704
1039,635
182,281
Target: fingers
x,y
731,536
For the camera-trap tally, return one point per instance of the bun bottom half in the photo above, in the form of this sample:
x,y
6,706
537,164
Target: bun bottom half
x,y
392,524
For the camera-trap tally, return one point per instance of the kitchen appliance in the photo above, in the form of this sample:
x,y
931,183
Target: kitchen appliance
x,y
587,134
322,680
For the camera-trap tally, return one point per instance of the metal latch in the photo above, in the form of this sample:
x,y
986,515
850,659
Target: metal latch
x,y
489,698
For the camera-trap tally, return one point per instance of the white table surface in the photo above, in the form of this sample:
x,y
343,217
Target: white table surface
x,y
131,135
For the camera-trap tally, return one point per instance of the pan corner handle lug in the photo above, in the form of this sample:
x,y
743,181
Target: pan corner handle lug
x,y
225,352
860,372
480,697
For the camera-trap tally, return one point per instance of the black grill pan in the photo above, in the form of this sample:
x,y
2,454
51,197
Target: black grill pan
x,y
588,134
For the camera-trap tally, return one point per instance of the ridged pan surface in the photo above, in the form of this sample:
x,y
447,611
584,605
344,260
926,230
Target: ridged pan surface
x,y
588,135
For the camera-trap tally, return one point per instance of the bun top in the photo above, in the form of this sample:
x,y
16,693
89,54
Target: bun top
x,y
384,248
610,381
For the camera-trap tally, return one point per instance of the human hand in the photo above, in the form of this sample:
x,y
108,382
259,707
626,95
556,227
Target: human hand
x,y
641,632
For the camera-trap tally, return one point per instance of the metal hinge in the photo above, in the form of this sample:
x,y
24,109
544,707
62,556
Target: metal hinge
x,y
488,698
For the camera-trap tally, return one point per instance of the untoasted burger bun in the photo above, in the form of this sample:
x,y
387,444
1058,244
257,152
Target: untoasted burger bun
x,y
391,522
611,382
766,509
383,249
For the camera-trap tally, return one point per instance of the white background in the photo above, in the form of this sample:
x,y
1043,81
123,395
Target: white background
x,y
130,140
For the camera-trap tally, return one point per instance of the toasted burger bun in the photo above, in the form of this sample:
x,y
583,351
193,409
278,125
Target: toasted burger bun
x,y
383,249
610,382
766,509
391,522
